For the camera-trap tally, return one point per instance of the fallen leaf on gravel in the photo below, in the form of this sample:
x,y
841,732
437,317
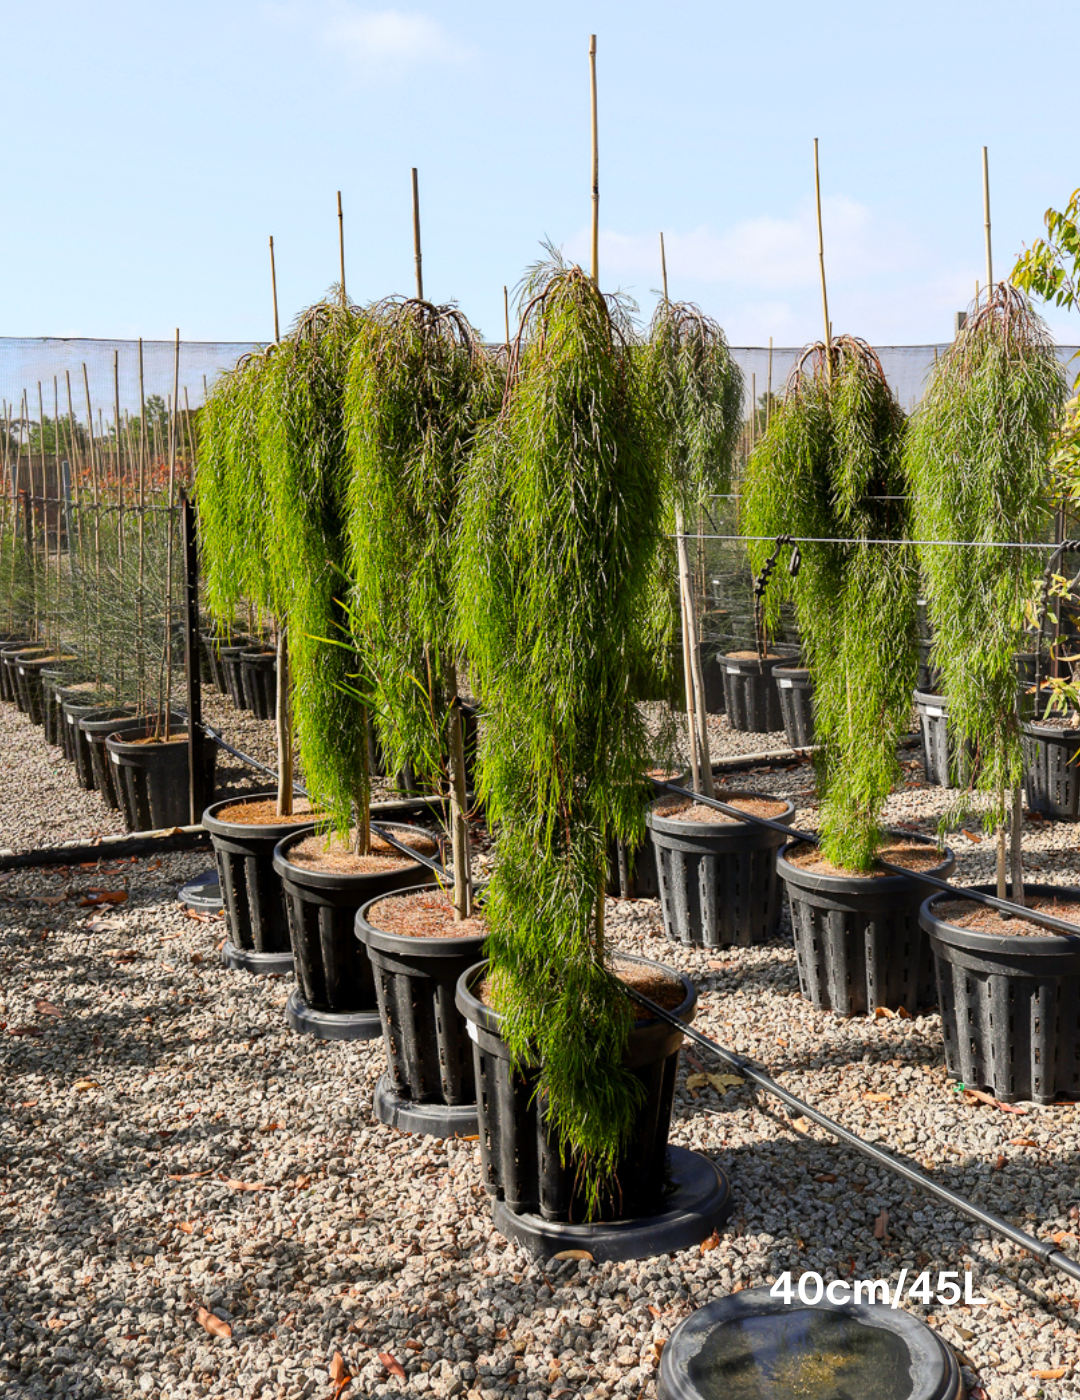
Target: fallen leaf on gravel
x,y
24,1030
1062,1235
972,837
655,1311
994,1103
46,1008
194,914
878,1098
1053,1373
83,1084
392,1365
713,1242
414,1345
188,1176
302,1182
881,1226
337,1368
657,1350
272,1128
718,1081
29,1103
884,1013
801,1125
1001,1160
213,1325
96,897
54,1322
572,1254
235,1185
186,1226
826,1176
1022,1142
52,900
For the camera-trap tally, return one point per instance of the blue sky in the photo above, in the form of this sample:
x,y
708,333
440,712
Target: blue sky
x,y
151,149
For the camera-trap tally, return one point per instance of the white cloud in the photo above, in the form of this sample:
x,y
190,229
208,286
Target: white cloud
x,y
388,42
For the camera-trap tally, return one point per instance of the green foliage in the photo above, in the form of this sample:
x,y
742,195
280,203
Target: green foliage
x,y
234,511
833,449
559,536
418,387
301,434
977,459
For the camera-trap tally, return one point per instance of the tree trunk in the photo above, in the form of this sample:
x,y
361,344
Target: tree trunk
x,y
696,718
459,827
283,727
1017,846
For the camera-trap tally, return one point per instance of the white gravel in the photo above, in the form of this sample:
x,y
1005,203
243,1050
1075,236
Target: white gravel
x,y
143,1087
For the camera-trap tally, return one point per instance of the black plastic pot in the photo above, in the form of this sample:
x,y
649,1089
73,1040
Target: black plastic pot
x,y
430,1085
31,682
14,660
335,997
670,1199
751,698
258,674
76,746
251,889
945,766
152,779
211,649
858,941
96,728
1051,771
717,880
735,1346
712,674
1010,1005
796,691
8,673
929,677
53,677
230,660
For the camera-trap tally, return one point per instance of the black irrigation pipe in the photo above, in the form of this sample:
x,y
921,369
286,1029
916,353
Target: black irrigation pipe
x,y
1039,1248
139,843
1004,906
829,539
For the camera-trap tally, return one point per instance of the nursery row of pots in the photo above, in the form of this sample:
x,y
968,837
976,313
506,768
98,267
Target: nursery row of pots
x,y
448,1069
244,669
116,751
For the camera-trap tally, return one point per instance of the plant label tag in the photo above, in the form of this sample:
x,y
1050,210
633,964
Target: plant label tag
x,y
783,683
733,670
472,1032
115,757
932,712
70,719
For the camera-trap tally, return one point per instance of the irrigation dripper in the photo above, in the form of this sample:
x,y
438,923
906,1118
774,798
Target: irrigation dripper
x,y
1046,1253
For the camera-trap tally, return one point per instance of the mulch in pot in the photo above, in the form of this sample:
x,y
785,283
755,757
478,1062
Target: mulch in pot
x,y
682,809
980,918
910,854
332,855
426,913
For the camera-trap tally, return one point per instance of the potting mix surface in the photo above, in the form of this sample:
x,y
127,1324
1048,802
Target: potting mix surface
x,y
424,914
912,855
331,853
980,918
194,1201
264,812
683,810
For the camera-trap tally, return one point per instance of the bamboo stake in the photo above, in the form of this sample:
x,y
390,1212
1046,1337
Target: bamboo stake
x,y
59,505
821,261
663,265
119,462
416,236
273,288
986,224
97,515
753,411
506,316
283,727
50,628
169,540
595,165
341,259
140,648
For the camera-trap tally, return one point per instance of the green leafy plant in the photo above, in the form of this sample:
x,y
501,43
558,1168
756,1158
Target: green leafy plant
x,y
977,462
419,386
558,541
829,469
695,389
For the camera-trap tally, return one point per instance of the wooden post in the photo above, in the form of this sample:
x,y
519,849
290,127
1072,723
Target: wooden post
x,y
169,538
986,227
821,261
273,288
768,390
197,794
595,166
416,236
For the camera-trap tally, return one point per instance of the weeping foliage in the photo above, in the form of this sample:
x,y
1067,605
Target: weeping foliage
x,y
558,539
977,459
419,385
695,390
234,513
301,443
833,449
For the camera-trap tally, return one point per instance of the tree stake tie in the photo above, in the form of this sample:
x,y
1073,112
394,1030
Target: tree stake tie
x,y
1046,1253
762,582
1003,906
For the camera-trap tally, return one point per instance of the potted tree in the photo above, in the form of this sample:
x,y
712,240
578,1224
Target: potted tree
x,y
559,537
829,469
717,877
418,388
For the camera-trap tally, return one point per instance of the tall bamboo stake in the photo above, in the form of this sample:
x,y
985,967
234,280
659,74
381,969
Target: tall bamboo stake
x,y
595,165
273,289
96,502
59,504
768,390
416,236
753,411
341,256
821,261
663,265
986,224
140,645
169,539
119,463
49,619
506,316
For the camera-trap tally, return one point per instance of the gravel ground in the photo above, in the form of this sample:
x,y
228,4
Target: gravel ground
x,y
166,1146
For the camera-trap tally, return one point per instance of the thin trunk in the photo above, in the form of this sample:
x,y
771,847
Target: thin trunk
x,y
692,661
169,538
283,728
459,826
1002,863
1017,846
362,840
